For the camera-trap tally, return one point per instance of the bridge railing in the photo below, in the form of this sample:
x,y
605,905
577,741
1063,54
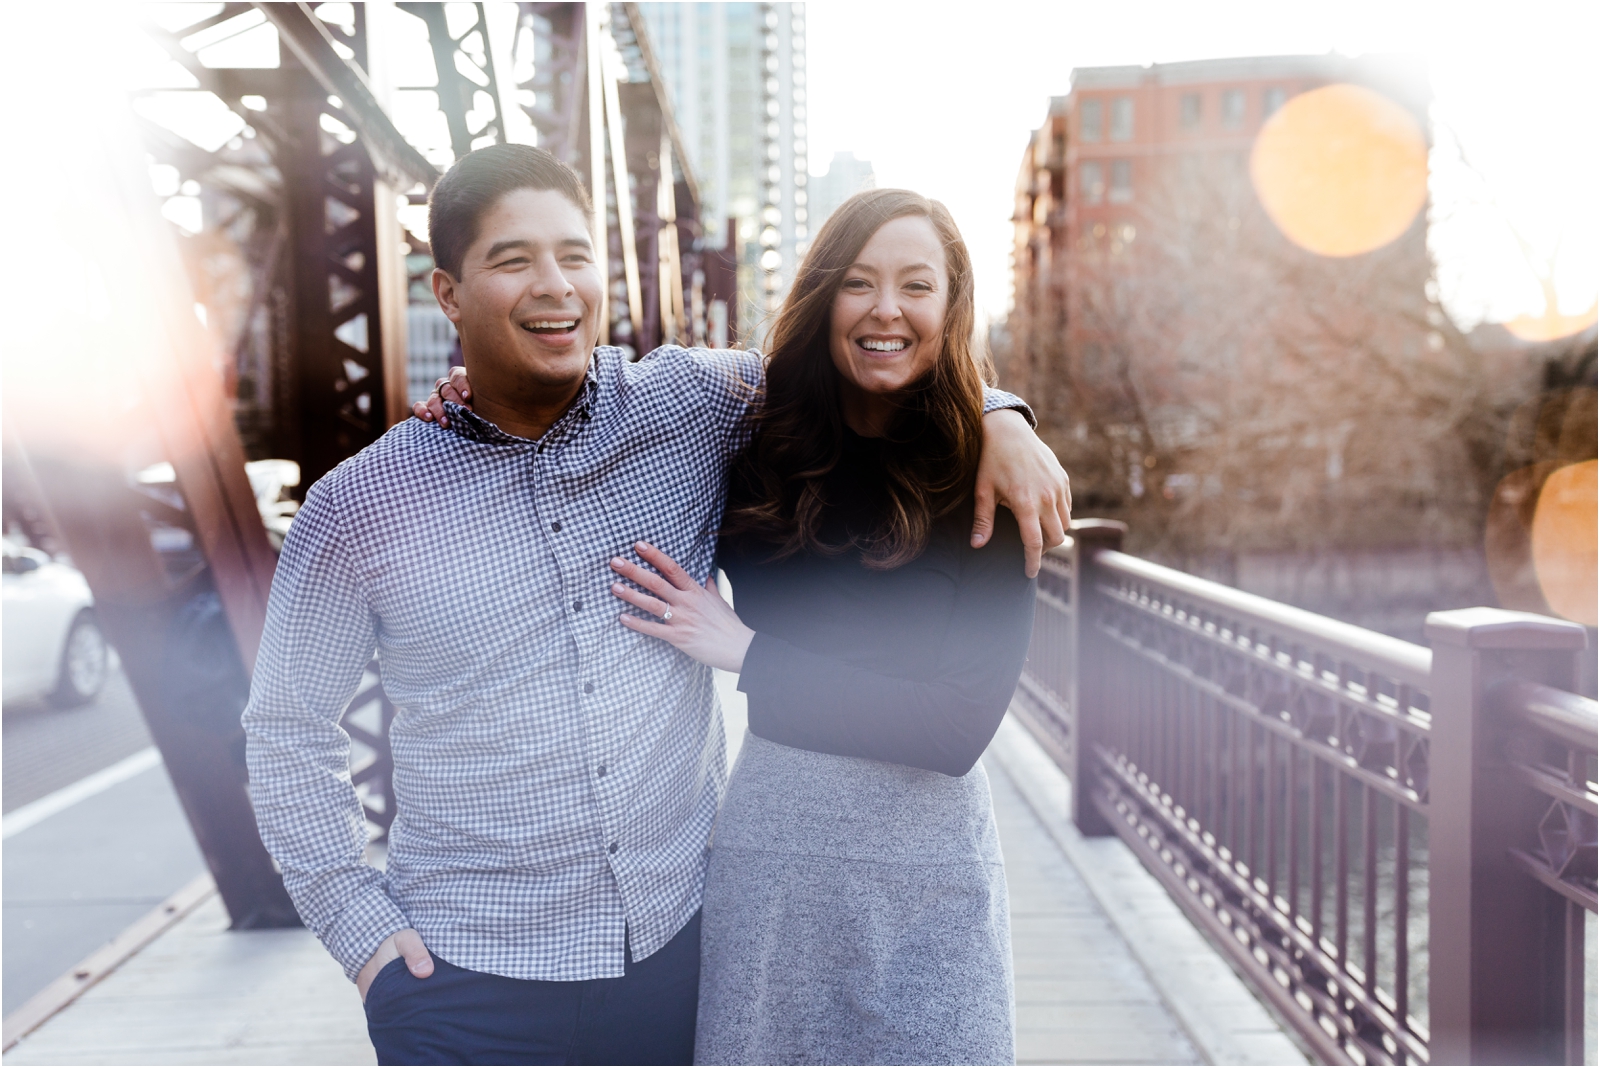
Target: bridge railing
x,y
1336,808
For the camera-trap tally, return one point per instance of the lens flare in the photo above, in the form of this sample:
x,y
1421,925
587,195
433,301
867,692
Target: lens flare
x,y
1564,546
1341,170
1552,325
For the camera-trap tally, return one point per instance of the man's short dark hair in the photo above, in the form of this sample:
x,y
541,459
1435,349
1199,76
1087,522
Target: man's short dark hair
x,y
476,183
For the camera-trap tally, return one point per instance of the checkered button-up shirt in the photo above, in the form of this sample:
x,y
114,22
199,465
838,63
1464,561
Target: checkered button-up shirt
x,y
556,774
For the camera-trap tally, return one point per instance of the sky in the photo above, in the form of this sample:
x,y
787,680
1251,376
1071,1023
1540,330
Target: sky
x,y
941,99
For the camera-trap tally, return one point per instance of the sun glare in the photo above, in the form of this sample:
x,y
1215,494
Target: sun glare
x,y
1341,170
1564,546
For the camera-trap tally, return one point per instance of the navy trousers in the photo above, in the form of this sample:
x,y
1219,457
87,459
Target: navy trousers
x,y
456,1016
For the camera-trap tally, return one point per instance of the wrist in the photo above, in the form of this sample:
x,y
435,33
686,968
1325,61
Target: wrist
x,y
741,646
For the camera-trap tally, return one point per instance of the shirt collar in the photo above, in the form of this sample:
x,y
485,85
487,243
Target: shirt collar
x,y
466,423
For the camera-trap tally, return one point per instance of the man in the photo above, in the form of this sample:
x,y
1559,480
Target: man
x,y
556,774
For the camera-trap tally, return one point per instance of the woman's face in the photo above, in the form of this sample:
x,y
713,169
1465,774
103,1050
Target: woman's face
x,y
888,316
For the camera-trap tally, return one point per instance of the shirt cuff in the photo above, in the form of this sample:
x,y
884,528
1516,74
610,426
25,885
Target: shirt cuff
x,y
360,928
767,664
996,399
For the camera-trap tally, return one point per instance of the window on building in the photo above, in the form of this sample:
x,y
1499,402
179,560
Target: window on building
x,y
1091,182
1122,119
1272,100
1189,111
1233,107
1089,120
1121,181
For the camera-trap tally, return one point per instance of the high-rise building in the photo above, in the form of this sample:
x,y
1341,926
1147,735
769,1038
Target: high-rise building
x,y
736,74
846,177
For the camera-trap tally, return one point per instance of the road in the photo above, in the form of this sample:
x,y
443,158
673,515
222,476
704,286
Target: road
x,y
79,876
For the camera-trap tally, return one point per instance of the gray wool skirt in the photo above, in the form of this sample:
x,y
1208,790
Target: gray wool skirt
x,y
855,913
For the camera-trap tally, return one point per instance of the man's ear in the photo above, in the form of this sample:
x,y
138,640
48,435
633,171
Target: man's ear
x,y
444,291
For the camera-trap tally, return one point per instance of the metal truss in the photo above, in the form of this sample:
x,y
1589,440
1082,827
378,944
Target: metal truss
x,y
467,81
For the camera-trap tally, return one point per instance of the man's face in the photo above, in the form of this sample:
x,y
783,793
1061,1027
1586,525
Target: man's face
x,y
527,304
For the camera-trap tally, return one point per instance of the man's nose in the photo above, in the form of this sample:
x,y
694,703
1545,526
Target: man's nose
x,y
548,279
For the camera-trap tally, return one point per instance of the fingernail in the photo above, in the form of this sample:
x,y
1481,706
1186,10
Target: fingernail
x,y
618,563
643,545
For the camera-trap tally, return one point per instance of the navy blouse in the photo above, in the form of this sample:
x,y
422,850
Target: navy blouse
x,y
914,665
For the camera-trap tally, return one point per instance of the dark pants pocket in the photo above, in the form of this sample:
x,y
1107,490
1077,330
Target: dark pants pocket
x,y
380,985
456,1016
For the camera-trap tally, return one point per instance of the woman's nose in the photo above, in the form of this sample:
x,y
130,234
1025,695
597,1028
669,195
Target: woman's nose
x,y
887,310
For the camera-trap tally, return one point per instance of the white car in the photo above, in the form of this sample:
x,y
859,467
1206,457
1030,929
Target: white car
x,y
52,646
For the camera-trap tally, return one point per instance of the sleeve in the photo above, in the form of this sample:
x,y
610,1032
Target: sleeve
x,y
801,699
320,634
996,399
730,382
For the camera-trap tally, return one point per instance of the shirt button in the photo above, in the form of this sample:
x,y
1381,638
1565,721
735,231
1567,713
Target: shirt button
x,y
588,687
556,526
601,771
612,848
577,606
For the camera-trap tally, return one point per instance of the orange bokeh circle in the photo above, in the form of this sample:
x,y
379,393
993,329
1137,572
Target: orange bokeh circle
x,y
1341,170
1563,542
1552,325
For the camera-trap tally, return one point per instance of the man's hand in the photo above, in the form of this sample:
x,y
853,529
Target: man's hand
x,y
407,944
1020,472
455,387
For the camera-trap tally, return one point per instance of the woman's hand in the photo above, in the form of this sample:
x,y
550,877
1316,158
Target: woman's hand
x,y
1019,471
693,617
454,387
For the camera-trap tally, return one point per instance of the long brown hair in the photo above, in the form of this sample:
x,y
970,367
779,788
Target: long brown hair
x,y
934,441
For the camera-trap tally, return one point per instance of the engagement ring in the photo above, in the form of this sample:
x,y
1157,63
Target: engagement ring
x,y
666,617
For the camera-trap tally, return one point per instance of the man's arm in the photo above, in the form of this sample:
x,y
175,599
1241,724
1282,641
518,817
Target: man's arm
x,y
1017,469
1022,473
320,634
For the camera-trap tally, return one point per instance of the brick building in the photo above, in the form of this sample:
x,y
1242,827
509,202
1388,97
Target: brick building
x,y
1198,372
1124,133
1255,411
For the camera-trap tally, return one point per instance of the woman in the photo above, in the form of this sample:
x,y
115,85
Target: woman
x,y
855,906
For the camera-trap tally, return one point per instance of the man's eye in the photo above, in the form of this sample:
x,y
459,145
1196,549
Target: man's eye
x,y
519,261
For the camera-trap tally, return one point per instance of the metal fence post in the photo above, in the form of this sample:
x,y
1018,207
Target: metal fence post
x,y
1090,695
1489,976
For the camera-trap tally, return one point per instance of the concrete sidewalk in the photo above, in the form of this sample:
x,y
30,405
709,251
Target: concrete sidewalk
x,y
199,994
